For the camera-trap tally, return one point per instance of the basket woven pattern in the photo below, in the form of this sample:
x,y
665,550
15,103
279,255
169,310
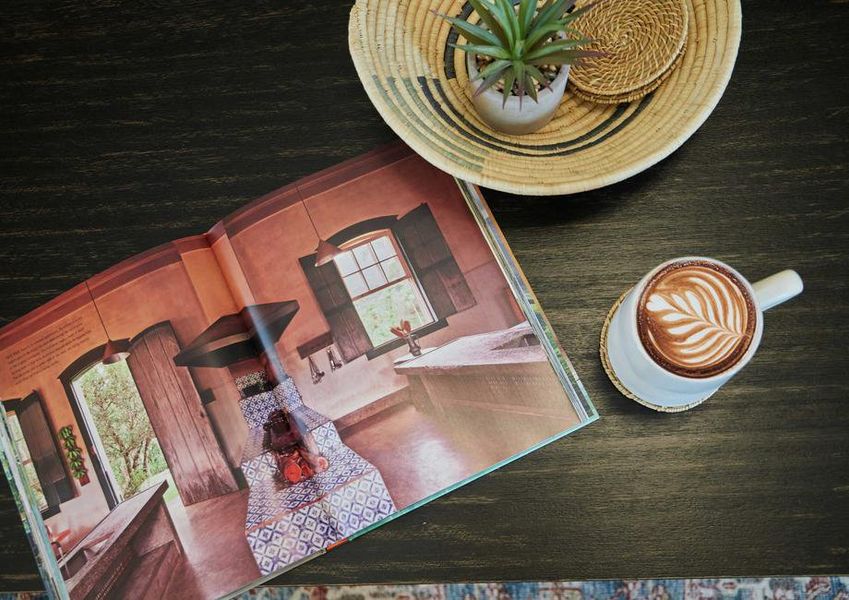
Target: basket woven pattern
x,y
641,40
628,96
419,84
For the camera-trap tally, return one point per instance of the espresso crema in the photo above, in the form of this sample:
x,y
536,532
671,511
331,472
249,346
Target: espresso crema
x,y
696,318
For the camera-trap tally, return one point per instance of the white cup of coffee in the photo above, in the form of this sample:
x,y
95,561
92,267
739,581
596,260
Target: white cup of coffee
x,y
689,326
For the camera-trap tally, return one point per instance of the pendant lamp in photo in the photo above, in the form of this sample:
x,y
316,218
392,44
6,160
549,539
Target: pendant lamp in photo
x,y
115,350
325,252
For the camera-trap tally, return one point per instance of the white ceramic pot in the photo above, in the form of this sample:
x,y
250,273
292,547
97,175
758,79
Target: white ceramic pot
x,y
509,118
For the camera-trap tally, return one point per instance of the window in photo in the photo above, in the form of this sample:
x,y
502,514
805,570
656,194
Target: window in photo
x,y
382,286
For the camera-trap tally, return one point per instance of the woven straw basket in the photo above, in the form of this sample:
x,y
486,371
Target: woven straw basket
x,y
419,85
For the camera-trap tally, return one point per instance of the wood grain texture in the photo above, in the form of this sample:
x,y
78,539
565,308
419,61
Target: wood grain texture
x,y
182,426
128,124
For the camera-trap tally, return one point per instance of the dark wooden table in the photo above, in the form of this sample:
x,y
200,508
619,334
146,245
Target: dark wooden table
x,y
128,124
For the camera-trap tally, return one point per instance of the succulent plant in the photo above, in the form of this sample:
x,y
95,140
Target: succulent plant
x,y
519,39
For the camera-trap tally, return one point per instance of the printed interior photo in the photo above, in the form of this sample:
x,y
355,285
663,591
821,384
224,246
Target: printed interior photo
x,y
222,407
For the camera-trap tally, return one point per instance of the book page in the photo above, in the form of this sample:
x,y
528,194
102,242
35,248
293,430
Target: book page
x,y
409,364
92,431
329,357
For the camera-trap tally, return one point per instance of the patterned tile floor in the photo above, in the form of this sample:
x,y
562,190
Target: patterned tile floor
x,y
767,588
286,523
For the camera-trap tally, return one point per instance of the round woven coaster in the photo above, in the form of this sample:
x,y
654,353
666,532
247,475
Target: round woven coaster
x,y
641,39
418,82
605,362
634,94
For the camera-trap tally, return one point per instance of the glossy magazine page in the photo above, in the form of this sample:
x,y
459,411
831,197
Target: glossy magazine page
x,y
215,411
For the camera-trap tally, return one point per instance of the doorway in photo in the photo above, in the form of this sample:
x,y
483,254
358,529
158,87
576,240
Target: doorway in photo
x,y
121,431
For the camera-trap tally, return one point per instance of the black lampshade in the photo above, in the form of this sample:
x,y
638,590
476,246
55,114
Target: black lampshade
x,y
238,336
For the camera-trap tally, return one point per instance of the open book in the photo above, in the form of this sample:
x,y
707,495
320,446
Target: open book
x,y
221,408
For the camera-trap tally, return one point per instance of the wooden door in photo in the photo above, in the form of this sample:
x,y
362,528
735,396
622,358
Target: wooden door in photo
x,y
433,262
178,417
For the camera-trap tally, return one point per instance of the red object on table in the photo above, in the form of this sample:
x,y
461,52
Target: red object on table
x,y
294,461
293,465
292,471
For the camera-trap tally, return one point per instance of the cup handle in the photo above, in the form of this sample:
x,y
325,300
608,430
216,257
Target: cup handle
x,y
777,288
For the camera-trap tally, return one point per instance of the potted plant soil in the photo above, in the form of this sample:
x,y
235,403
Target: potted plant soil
x,y
518,58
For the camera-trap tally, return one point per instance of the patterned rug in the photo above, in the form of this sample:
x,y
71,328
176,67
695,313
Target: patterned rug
x,y
766,588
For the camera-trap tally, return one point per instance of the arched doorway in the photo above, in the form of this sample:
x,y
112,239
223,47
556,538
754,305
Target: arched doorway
x,y
121,430
125,452
154,389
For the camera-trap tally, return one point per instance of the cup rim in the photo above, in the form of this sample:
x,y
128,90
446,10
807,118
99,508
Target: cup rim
x,y
756,336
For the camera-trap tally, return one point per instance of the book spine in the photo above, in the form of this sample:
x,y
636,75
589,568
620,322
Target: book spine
x,y
527,299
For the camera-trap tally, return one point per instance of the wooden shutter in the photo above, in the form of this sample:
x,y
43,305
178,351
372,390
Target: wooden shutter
x,y
178,417
44,452
432,261
345,325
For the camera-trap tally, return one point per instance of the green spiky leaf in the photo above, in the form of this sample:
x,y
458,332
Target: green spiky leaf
x,y
543,33
527,10
509,80
489,82
482,8
519,70
519,38
538,75
565,57
530,85
493,67
474,33
491,51
552,11
551,48
504,20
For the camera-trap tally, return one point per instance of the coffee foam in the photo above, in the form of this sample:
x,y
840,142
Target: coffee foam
x,y
696,318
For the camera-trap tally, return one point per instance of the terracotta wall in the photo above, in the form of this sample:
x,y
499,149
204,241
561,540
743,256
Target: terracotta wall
x,y
179,282
84,511
268,251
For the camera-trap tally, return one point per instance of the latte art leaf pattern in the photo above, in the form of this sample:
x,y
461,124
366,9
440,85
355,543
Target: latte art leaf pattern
x,y
696,319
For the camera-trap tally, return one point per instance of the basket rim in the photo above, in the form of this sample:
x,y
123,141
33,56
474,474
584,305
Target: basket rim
x,y
490,178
